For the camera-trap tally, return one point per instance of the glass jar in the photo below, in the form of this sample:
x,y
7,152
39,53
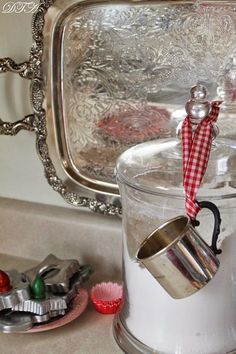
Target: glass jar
x,y
150,181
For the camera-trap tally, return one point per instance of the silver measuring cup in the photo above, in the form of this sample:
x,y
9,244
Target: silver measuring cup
x,y
177,256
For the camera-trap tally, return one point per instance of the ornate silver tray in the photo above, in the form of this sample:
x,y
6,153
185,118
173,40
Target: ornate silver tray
x,y
106,75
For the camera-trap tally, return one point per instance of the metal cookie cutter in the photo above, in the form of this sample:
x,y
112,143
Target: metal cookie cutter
x,y
48,316
20,290
55,303
55,272
12,322
42,307
81,276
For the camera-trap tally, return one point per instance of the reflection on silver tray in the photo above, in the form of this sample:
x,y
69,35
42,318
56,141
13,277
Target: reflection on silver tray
x,y
108,75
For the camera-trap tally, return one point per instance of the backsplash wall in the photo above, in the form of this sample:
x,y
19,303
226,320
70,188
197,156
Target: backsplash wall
x,y
21,172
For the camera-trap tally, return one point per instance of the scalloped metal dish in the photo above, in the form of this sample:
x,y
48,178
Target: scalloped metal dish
x,y
106,75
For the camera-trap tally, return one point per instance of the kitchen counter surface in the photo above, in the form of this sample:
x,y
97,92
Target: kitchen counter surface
x,y
89,333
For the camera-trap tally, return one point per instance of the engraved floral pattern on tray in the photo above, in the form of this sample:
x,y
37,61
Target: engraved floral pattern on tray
x,y
122,59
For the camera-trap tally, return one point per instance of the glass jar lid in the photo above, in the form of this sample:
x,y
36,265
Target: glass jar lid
x,y
156,167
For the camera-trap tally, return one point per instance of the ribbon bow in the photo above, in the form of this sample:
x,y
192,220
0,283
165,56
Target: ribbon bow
x,y
196,152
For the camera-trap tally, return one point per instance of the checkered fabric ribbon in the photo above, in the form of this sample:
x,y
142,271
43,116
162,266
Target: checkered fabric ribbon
x,y
196,151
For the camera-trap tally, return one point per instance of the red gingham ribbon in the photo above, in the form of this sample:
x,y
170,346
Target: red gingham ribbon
x,y
196,151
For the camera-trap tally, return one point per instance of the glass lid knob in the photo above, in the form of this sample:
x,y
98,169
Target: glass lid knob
x,y
198,108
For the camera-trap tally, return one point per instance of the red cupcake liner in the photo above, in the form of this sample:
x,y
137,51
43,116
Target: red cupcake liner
x,y
107,297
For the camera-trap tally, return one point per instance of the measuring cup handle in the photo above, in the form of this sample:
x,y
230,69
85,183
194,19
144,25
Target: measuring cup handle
x,y
213,208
